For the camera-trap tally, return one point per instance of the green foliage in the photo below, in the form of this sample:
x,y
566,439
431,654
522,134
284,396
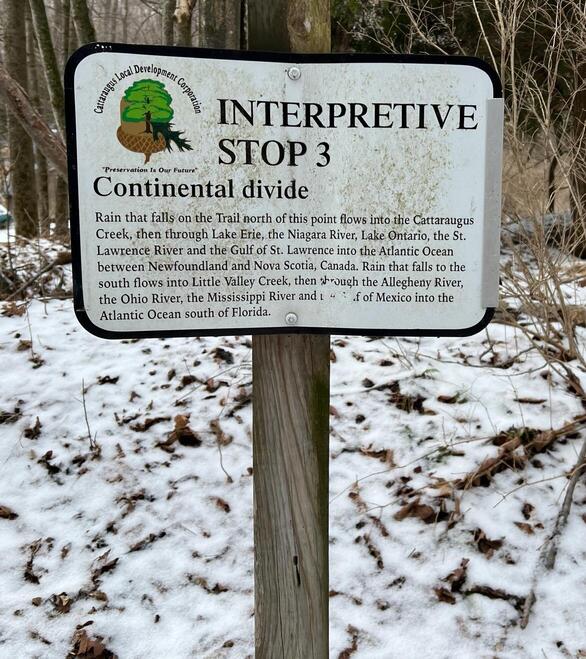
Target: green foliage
x,y
147,96
139,95
138,112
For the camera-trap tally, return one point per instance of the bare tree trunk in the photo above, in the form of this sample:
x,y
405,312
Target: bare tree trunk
x,y
59,189
125,22
168,18
4,159
105,22
42,181
65,32
40,160
220,23
61,208
298,23
113,34
3,127
83,22
183,14
49,59
244,24
24,202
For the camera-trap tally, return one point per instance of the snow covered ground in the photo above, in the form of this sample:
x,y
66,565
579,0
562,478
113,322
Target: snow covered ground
x,y
110,521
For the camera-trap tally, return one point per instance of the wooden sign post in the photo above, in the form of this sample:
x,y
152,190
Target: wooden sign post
x,y
291,393
290,453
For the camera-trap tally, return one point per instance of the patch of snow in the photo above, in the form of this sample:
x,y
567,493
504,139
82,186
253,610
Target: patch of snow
x,y
406,416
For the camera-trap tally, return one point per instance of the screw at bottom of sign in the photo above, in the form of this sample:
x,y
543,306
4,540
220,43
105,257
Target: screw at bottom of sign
x,y
291,319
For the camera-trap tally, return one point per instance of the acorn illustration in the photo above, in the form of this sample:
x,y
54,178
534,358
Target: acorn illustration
x,y
145,120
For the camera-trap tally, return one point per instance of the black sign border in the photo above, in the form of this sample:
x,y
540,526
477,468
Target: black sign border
x,y
209,53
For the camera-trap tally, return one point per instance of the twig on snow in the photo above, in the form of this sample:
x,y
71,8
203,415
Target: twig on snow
x,y
93,443
550,548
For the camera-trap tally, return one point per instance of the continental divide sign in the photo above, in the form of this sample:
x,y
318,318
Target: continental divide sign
x,y
219,192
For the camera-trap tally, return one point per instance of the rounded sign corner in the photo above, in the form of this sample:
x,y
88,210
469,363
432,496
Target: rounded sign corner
x,y
83,52
484,66
481,324
89,326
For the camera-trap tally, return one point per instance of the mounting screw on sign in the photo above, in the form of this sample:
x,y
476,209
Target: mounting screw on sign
x,y
291,319
294,73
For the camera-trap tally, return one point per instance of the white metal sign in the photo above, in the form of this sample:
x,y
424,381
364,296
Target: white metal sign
x,y
219,193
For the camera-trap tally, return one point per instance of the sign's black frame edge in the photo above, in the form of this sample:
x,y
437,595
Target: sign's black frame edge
x,y
177,51
101,333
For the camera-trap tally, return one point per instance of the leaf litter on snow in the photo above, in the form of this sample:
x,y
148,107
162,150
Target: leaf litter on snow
x,y
448,460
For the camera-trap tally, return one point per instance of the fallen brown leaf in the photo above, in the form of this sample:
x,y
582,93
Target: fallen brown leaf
x,y
222,438
145,542
203,583
181,433
415,509
457,578
62,602
353,647
495,593
34,431
108,379
85,647
99,595
149,422
213,385
444,595
29,573
485,545
45,460
223,355
13,309
449,400
102,565
384,455
222,504
186,380
63,258
10,417
7,513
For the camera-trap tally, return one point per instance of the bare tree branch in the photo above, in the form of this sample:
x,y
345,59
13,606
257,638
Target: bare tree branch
x,y
19,103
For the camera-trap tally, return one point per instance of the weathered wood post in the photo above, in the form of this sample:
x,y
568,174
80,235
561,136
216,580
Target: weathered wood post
x,y
291,426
